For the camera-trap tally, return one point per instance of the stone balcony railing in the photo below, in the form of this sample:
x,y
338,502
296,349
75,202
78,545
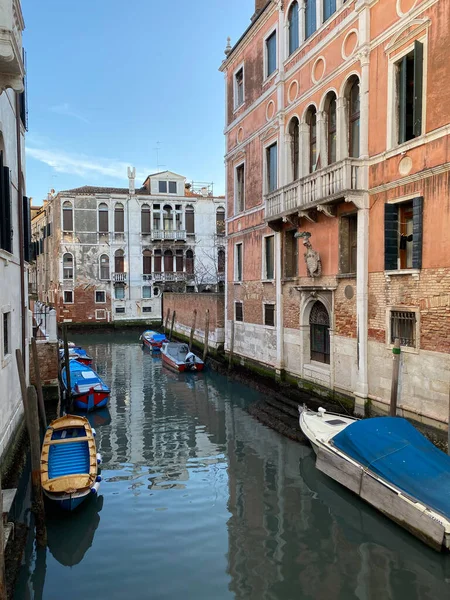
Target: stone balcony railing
x,y
170,276
119,277
162,234
323,185
12,69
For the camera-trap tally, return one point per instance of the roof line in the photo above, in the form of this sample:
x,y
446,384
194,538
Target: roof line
x,y
255,19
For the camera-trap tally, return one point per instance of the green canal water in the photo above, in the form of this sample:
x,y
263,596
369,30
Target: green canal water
x,y
200,501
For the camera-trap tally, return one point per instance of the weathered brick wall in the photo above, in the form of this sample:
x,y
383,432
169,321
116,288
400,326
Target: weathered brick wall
x,y
430,292
252,294
345,309
184,305
84,306
48,363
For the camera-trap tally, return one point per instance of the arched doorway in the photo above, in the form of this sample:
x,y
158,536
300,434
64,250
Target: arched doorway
x,y
319,327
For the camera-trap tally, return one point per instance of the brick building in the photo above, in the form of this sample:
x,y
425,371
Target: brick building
x,y
108,254
338,207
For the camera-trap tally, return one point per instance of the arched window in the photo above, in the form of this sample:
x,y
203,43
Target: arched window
x,y
179,261
293,28
310,18
311,119
147,262
119,261
189,262
104,266
157,261
168,261
145,219
68,266
67,216
294,132
118,218
167,218
103,218
329,7
330,109
190,219
221,261
319,327
353,119
220,221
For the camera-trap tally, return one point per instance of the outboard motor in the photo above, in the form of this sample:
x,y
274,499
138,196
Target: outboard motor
x,y
190,361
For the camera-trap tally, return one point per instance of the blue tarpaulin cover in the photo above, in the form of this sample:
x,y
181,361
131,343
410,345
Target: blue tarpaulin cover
x,y
393,449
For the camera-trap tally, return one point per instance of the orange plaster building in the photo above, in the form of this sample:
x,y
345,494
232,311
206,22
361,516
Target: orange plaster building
x,y
338,223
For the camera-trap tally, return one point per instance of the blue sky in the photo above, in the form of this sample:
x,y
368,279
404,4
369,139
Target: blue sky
x,y
108,80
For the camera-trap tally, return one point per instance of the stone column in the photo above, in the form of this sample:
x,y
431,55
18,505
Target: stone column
x,y
301,21
304,150
364,106
321,137
341,129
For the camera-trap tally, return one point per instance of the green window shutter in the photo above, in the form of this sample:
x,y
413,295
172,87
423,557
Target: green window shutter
x,y
390,237
417,233
418,88
402,70
27,229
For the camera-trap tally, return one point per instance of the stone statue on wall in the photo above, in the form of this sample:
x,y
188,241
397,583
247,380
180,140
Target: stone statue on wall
x,y
312,257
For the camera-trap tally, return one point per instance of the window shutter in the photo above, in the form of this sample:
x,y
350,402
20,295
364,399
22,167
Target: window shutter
x,y
402,100
26,229
418,88
390,237
417,233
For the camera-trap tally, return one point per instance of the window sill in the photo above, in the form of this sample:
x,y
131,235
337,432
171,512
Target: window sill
x,y
346,276
237,282
405,349
272,281
270,78
318,367
238,107
415,273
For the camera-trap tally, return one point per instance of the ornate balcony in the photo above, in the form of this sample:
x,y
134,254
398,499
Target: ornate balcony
x,y
119,277
12,70
162,234
323,186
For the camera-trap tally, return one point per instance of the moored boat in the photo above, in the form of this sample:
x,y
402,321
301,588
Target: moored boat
x,y
87,388
390,465
69,462
153,340
79,354
178,357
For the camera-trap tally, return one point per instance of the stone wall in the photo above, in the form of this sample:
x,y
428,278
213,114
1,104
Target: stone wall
x,y
48,363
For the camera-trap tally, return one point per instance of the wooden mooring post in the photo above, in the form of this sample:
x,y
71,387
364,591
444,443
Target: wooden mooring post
x,y
2,551
166,326
172,324
205,349
230,356
37,376
191,338
35,452
395,374
68,396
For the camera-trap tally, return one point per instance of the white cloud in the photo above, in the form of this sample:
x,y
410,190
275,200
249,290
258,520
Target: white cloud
x,y
66,110
85,166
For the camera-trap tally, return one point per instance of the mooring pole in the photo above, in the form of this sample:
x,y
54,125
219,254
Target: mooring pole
x,y
166,326
2,551
191,339
172,324
395,373
230,356
37,376
35,452
205,349
66,364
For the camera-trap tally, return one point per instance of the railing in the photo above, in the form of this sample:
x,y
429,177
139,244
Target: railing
x,y
44,323
147,277
340,177
169,276
162,234
119,277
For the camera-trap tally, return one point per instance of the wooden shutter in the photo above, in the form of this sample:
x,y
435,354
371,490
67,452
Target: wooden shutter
x,y
390,237
402,100
417,233
418,88
189,220
27,229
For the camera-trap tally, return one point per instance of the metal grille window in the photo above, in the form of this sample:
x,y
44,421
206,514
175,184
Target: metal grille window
x,y
403,327
239,316
269,314
319,323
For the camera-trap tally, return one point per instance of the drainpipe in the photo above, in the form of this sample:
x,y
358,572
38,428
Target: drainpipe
x,y
24,308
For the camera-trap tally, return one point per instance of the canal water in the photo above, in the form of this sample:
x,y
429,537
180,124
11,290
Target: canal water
x,y
200,501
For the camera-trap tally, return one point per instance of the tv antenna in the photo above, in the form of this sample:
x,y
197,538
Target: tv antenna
x,y
157,149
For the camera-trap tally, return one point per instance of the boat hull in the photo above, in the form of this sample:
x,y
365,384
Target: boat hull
x,y
69,503
172,364
91,400
85,361
153,340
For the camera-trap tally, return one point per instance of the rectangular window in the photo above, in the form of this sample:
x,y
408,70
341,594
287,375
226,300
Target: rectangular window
x,y
67,217
68,297
329,7
240,188
5,208
410,94
100,314
238,311
146,309
146,292
290,253
119,292
120,310
162,186
272,167
157,261
6,334
172,187
269,315
269,257
239,88
403,327
348,243
100,297
310,17
118,220
271,54
103,220
179,261
238,263
403,235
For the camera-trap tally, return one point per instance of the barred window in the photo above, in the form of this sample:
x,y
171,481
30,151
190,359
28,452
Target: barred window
x,y
239,313
403,327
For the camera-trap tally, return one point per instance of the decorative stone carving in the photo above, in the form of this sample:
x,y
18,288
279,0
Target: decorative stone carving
x,y
312,257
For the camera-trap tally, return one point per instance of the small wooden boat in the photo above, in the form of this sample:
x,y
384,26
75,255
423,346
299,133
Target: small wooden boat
x,y
153,340
390,465
178,357
88,390
79,354
69,462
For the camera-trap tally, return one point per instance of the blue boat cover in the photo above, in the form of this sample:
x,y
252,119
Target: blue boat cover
x,y
393,449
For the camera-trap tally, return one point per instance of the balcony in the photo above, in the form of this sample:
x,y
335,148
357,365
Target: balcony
x,y
147,277
326,185
162,234
119,277
12,70
169,277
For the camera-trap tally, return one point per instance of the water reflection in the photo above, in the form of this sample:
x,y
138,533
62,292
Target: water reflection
x,y
201,501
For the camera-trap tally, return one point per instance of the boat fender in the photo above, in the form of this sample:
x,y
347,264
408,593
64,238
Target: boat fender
x,y
98,478
94,433
95,488
322,411
99,458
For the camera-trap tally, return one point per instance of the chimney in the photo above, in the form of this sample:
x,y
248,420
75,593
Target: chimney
x,y
131,178
259,5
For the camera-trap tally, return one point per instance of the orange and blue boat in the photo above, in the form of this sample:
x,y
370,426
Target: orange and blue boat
x,y
153,340
88,390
